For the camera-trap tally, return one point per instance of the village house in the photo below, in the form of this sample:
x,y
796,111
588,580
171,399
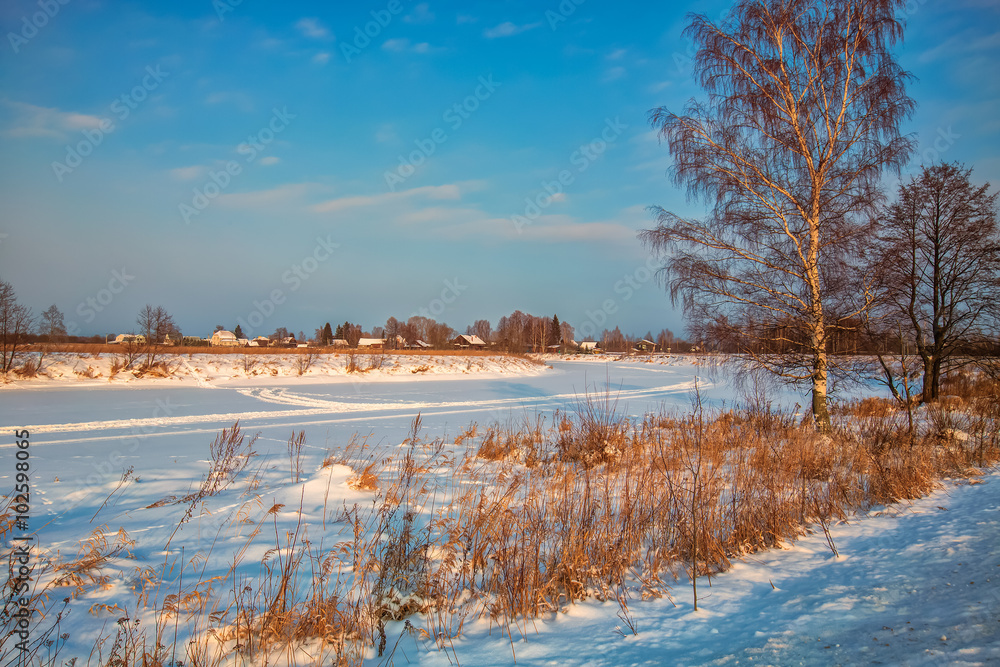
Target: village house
x,y
128,338
645,346
467,341
224,339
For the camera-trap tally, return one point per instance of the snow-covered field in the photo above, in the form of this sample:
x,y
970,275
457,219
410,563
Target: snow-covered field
x,y
206,368
914,584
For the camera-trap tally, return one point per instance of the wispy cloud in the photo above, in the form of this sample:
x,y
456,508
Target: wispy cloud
x,y
283,194
188,173
508,29
242,101
403,45
966,43
321,58
550,228
313,29
269,160
386,133
614,73
29,120
449,191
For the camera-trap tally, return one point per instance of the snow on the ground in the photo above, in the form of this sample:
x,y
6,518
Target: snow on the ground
x,y
210,368
914,584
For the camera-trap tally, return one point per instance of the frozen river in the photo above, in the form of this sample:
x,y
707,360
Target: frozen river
x,y
78,430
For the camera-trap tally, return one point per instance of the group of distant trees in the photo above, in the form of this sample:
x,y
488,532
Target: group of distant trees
x,y
518,333
799,254
155,328
19,327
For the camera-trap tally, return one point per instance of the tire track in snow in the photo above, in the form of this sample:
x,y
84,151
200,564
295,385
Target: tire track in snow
x,y
311,406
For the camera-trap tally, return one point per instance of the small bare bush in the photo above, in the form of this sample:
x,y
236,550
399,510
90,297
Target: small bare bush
x,y
29,369
249,364
303,362
351,364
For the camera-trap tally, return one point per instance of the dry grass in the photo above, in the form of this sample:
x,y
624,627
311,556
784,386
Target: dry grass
x,y
511,521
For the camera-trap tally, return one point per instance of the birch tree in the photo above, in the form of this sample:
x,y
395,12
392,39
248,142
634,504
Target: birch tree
x,y
802,116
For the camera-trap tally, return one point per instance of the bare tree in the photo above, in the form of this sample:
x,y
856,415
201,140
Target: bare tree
x,y
803,112
482,329
393,330
155,324
16,322
937,261
52,325
566,333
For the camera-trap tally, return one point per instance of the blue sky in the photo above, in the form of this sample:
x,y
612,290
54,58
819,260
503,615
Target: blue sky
x,y
290,164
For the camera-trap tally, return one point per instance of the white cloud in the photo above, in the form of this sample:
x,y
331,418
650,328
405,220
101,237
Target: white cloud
x,y
188,173
34,121
397,45
313,29
403,45
507,29
450,191
321,58
617,54
269,160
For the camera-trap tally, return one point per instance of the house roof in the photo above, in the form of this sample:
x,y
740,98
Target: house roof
x,y
363,342
228,335
466,339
